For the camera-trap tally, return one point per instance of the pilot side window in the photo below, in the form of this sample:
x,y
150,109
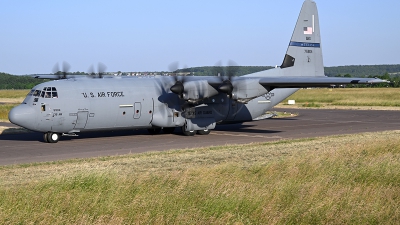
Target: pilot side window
x,y
31,92
36,93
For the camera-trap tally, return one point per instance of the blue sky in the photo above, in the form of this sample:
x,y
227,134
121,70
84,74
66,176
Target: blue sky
x,y
150,35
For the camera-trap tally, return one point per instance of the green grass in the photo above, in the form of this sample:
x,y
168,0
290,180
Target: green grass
x,y
312,104
349,179
4,110
348,97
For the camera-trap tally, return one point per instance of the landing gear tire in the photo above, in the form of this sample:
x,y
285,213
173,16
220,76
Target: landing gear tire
x,y
52,137
204,132
168,130
188,133
45,138
154,130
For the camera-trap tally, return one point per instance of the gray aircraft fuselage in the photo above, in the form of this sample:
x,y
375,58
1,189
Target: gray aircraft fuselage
x,y
129,103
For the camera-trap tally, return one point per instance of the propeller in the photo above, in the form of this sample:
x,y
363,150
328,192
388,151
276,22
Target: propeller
x,y
101,68
229,72
178,87
62,74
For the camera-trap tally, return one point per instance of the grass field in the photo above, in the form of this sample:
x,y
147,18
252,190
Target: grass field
x,y
13,93
4,110
9,99
347,97
349,179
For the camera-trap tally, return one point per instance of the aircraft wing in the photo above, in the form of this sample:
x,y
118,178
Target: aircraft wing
x,y
68,76
48,76
299,82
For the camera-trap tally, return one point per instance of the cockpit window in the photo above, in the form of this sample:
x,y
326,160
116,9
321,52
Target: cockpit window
x,y
49,92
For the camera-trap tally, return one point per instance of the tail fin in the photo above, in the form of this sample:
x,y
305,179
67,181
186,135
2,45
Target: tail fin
x,y
304,54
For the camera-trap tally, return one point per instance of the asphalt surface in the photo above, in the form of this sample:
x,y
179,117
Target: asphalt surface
x,y
29,148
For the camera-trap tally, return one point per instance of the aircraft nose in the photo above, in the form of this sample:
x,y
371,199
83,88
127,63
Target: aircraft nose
x,y
22,115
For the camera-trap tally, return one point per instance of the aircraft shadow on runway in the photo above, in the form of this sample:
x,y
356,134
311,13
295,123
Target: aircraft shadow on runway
x,y
244,128
35,136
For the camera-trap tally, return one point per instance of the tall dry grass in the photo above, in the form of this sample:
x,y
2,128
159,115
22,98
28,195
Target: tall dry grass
x,y
14,93
330,180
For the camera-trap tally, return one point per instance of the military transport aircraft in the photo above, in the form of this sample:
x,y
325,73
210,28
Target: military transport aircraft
x,y
196,104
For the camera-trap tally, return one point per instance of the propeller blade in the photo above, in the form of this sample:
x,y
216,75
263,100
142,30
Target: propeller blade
x,y
65,70
218,70
231,69
56,68
173,67
101,68
91,71
66,67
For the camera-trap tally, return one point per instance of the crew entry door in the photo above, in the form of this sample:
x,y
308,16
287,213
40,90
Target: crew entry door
x,y
81,120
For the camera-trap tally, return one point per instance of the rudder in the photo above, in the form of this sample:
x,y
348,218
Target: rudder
x,y
304,54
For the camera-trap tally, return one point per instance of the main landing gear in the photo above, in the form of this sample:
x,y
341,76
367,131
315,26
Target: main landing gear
x,y
51,137
193,132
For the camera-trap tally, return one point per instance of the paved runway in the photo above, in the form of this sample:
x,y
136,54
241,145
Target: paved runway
x,y
26,148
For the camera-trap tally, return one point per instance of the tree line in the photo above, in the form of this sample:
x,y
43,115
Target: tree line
x,y
386,72
8,81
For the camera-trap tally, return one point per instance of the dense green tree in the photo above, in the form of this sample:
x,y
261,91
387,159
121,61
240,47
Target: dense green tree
x,y
8,81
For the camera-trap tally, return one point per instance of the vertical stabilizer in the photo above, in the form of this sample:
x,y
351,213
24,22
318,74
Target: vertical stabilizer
x,y
304,54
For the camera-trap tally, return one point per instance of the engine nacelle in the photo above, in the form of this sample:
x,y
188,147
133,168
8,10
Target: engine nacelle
x,y
246,90
198,90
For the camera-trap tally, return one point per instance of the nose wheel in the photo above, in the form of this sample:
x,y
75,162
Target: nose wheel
x,y
51,137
